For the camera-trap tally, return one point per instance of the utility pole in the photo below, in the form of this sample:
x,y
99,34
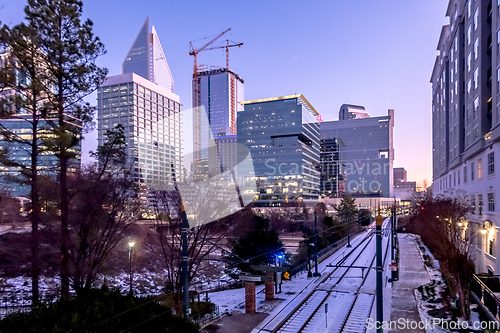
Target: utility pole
x,y
348,229
316,245
380,307
184,253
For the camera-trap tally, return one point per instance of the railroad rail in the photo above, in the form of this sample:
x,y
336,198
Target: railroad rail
x,y
350,303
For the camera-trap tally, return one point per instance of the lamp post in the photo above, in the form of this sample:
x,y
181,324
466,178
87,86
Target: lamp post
x,y
348,230
130,246
316,245
278,274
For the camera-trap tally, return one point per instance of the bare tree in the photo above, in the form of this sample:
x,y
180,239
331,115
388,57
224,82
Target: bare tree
x,y
205,205
441,222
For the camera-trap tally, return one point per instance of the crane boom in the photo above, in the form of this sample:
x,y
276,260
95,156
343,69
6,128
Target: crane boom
x,y
196,51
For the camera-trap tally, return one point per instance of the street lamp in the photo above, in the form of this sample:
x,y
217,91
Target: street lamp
x,y
130,246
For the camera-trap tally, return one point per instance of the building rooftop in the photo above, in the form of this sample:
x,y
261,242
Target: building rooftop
x,y
299,96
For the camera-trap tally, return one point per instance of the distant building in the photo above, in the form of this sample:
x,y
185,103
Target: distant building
x,y
357,157
399,175
283,138
226,154
219,93
403,189
149,111
348,111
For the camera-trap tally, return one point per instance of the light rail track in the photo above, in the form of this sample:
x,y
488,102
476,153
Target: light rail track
x,y
348,308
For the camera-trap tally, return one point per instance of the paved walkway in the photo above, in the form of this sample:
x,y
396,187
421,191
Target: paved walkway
x,y
238,322
412,274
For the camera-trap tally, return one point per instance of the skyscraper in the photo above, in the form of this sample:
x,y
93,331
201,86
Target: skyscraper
x,y
357,156
466,118
146,58
283,138
148,109
219,93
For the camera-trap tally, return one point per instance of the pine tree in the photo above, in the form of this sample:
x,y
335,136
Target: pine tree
x,y
69,50
22,77
347,210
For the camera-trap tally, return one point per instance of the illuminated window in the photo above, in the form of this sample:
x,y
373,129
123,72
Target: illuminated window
x,y
479,169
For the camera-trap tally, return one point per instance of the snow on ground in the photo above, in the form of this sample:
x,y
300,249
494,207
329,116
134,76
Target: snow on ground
x,y
428,294
234,299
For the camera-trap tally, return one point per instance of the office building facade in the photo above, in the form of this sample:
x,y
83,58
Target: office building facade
x,y
146,58
218,95
466,120
14,177
356,157
349,111
283,138
148,110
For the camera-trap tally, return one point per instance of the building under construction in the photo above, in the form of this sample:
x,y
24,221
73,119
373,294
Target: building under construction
x,y
216,96
220,90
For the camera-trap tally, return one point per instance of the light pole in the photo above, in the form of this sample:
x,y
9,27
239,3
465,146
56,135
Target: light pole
x,y
348,230
278,274
316,273
130,246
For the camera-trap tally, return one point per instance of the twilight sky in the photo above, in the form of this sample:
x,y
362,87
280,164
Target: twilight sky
x,y
375,53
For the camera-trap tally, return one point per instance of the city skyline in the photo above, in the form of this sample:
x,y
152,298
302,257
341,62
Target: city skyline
x,y
378,55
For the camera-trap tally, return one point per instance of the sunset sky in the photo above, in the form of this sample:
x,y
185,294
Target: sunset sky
x,y
376,53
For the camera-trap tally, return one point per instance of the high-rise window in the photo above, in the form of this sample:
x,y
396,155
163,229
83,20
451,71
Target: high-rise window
x,y
476,48
476,77
491,162
476,107
468,34
491,202
479,169
458,177
498,39
476,18
465,174
469,59
498,80
472,171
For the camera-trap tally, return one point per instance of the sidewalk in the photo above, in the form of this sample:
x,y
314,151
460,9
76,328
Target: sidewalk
x,y
412,274
399,298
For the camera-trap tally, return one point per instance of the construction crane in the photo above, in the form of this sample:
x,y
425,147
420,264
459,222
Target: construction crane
x,y
196,87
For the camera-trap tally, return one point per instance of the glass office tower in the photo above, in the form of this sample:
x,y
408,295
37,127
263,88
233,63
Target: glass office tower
x,y
152,118
220,91
141,99
283,137
357,157
146,58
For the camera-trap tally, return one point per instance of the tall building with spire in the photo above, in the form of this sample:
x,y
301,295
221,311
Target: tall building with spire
x,y
146,58
142,100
